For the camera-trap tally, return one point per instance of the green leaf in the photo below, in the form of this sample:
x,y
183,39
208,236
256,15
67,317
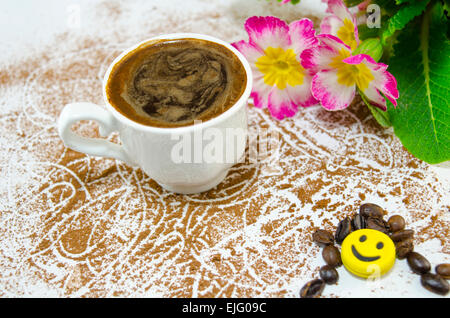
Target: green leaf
x,y
399,20
388,6
292,1
421,65
372,47
364,32
352,3
381,117
403,1
447,6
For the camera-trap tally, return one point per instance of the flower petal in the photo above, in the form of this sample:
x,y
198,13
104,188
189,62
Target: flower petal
x,y
390,88
280,104
375,97
328,10
260,90
359,58
383,80
339,9
259,100
301,94
331,94
251,51
342,23
330,25
317,58
303,35
267,31
333,42
363,5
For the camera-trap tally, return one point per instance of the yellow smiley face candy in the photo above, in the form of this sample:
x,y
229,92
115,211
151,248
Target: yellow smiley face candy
x,y
368,253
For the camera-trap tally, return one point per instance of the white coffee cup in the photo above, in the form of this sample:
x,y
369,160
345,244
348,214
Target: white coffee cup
x,y
152,148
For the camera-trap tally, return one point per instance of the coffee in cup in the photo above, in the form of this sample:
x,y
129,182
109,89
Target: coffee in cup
x,y
153,92
172,83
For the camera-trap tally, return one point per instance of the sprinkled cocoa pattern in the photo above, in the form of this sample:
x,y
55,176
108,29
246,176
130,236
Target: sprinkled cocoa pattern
x,y
73,225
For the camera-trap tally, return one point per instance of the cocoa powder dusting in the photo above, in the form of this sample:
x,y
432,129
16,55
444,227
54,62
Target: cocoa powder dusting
x,y
74,225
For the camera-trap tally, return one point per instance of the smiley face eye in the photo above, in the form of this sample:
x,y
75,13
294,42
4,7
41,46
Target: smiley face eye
x,y
380,245
362,238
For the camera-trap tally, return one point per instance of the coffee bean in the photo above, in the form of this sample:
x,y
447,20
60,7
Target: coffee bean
x,y
329,274
312,289
403,248
396,223
358,222
343,229
402,235
323,237
435,283
371,210
418,263
443,270
332,256
377,224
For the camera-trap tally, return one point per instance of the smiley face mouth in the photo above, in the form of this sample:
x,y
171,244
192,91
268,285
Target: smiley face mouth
x,y
363,258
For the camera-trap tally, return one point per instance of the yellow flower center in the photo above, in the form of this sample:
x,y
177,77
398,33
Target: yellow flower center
x,y
347,34
349,75
280,67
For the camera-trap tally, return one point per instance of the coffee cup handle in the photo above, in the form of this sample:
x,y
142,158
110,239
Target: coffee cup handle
x,y
75,112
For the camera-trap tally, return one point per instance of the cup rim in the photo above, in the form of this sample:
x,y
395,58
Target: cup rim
x,y
241,102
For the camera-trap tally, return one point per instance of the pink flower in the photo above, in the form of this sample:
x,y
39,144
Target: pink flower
x,y
363,5
342,23
339,74
328,10
280,82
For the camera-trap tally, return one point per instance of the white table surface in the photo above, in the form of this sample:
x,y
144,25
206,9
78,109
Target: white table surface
x,y
26,24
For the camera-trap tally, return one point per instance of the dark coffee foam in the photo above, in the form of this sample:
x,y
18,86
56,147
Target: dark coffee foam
x,y
173,83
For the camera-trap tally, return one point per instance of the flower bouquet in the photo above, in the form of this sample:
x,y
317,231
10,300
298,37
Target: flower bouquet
x,y
295,67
